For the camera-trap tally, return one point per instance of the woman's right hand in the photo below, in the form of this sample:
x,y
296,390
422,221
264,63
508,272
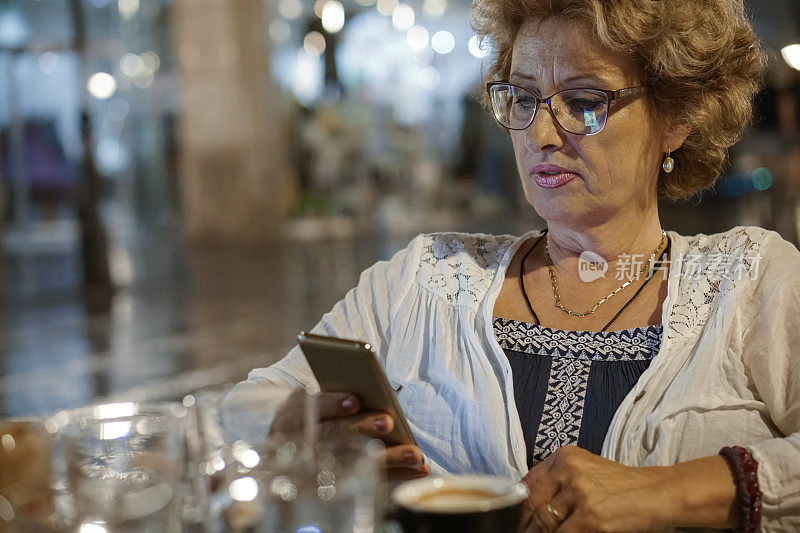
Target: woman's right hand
x,y
339,412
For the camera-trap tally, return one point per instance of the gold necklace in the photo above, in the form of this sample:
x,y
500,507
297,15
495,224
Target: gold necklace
x,y
552,269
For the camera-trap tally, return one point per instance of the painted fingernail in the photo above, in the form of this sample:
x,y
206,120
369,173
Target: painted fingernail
x,y
348,403
380,424
410,458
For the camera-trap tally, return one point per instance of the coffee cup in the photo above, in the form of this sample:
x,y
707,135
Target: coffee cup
x,y
463,504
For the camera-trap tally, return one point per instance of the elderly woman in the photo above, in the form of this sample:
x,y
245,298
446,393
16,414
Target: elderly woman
x,y
637,379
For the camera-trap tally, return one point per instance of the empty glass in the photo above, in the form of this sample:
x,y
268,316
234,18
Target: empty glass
x,y
125,465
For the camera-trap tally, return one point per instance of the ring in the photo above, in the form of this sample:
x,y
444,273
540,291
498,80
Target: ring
x,y
556,516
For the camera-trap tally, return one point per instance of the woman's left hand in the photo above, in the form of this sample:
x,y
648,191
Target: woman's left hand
x,y
575,490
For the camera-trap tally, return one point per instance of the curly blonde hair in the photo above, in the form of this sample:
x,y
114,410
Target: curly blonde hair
x,y
699,59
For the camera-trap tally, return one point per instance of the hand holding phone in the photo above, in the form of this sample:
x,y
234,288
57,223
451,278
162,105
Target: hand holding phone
x,y
342,365
351,401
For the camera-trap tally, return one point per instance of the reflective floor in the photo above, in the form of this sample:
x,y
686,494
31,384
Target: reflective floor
x,y
199,316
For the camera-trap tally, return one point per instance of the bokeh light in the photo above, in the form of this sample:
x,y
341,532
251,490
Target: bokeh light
x,y
244,489
761,178
144,79
314,43
791,54
417,37
443,42
128,9
319,5
102,85
386,7
428,78
151,60
476,49
48,62
423,56
14,30
403,17
290,9
333,16
434,8
130,64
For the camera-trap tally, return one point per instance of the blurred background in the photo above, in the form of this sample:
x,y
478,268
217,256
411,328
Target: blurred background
x,y
186,184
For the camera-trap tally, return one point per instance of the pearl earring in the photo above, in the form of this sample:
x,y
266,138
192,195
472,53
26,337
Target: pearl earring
x,y
668,163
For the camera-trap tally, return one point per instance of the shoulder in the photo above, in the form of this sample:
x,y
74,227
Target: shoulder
x,y
741,250
738,239
460,266
735,266
731,256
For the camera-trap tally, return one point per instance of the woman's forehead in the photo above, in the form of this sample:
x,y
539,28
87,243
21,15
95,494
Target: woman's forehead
x,y
560,49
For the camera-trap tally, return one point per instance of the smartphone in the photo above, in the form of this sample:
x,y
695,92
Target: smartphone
x,y
342,365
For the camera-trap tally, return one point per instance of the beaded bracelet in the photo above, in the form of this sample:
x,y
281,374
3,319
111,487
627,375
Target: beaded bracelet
x,y
744,468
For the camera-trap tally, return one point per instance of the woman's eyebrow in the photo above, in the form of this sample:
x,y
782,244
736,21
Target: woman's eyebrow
x,y
521,75
583,77
587,77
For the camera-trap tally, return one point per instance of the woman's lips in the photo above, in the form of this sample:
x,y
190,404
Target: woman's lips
x,y
552,176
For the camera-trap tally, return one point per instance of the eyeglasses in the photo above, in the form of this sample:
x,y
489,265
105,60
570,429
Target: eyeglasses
x,y
577,111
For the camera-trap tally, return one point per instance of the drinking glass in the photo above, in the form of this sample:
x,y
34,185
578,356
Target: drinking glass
x,y
334,486
307,479
26,494
125,465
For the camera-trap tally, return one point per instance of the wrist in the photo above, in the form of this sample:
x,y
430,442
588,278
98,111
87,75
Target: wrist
x,y
697,493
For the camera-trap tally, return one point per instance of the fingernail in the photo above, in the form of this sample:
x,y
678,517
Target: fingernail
x,y
538,522
421,473
348,403
380,424
409,458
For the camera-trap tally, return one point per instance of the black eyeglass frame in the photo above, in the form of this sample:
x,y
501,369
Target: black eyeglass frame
x,y
611,96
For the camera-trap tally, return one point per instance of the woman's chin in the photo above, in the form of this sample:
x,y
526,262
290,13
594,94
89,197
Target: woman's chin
x,y
559,209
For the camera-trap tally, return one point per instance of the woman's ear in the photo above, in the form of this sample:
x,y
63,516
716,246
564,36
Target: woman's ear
x,y
675,135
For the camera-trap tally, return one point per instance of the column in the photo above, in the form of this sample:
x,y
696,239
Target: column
x,y
235,182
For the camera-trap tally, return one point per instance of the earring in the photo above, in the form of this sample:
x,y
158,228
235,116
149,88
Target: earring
x,y
668,163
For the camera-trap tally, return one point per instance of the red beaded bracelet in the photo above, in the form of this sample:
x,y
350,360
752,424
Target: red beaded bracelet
x,y
744,468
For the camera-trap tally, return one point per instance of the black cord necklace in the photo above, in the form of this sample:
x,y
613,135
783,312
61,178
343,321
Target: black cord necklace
x,y
656,266
522,276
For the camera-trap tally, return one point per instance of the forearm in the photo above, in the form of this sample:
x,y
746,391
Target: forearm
x,y
699,493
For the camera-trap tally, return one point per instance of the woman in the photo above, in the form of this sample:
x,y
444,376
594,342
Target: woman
x,y
665,393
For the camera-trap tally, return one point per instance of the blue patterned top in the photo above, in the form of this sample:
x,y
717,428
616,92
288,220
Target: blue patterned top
x,y
569,384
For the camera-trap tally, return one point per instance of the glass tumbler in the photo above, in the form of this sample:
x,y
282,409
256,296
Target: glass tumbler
x,y
125,466
26,492
335,486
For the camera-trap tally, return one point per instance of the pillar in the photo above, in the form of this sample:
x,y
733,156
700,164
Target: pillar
x,y
234,178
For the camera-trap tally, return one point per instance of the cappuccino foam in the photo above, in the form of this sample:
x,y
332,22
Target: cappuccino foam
x,y
454,499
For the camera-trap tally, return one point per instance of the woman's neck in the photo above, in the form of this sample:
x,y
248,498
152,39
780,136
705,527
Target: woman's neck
x,y
612,240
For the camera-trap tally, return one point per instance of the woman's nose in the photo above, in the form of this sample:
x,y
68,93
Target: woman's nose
x,y
544,132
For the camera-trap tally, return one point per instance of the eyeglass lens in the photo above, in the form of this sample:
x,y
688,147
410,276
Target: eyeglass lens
x,y
578,111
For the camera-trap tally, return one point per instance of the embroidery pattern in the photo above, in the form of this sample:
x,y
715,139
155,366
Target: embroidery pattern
x,y
626,345
563,406
460,267
572,354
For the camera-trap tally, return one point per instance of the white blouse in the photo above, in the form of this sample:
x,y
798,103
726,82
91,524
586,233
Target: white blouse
x,y
727,372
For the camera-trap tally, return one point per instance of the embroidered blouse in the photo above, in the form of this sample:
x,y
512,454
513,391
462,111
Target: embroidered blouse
x,y
568,384
727,371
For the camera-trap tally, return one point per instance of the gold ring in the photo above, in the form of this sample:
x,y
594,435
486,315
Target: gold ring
x,y
556,516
